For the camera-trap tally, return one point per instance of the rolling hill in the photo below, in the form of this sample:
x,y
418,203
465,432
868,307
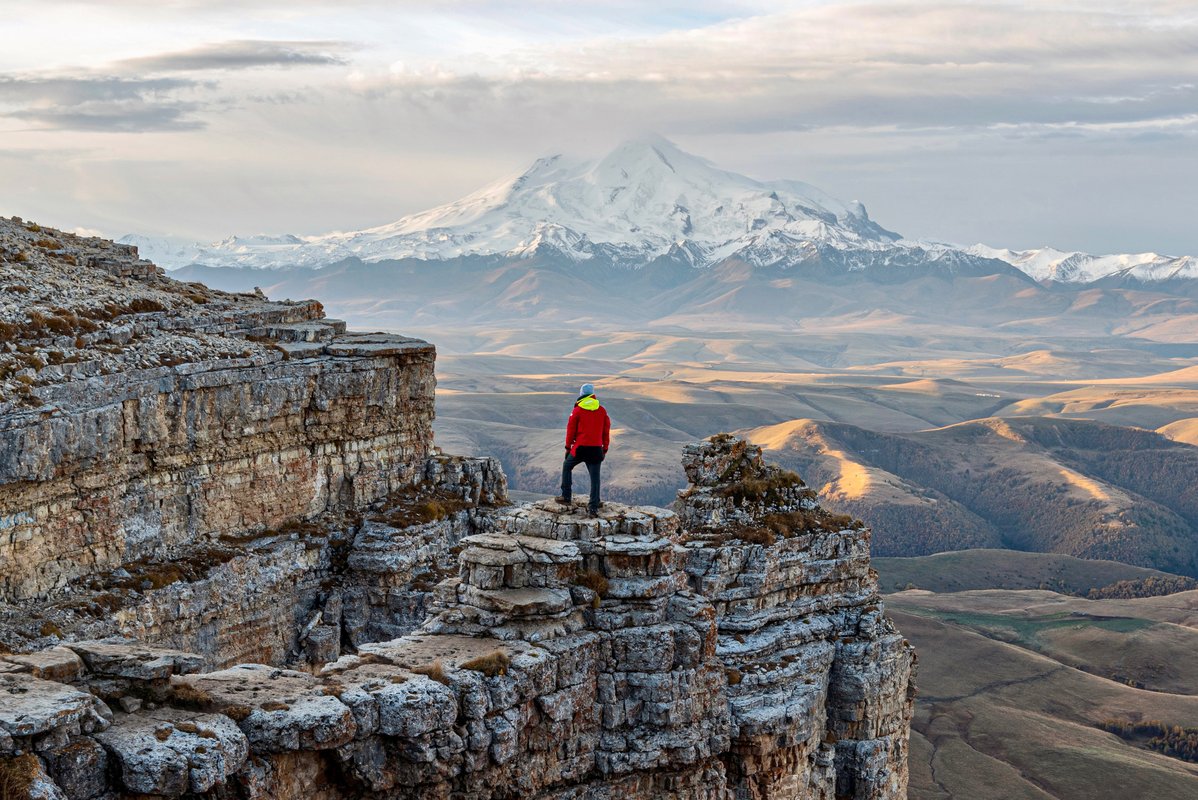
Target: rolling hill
x,y
1051,485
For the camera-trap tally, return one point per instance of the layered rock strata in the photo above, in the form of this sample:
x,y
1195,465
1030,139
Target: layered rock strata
x,y
147,465
820,681
185,465
616,657
192,482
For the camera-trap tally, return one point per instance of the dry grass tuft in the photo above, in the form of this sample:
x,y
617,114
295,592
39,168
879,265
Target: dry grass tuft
x,y
191,696
238,712
405,509
17,775
435,670
492,664
761,536
769,488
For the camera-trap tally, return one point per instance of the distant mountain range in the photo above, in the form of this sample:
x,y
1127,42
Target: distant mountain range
x,y
647,202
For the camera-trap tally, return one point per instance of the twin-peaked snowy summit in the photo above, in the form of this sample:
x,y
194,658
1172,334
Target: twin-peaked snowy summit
x,y
648,200
645,199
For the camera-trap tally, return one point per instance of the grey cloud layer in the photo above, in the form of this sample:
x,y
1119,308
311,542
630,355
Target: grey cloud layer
x,y
130,101
902,64
239,54
867,99
98,104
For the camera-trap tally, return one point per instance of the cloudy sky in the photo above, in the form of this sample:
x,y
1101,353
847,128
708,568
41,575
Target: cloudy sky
x,y
1071,123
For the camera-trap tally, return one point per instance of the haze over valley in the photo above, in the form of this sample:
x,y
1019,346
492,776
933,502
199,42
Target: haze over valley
x,y
892,308
911,382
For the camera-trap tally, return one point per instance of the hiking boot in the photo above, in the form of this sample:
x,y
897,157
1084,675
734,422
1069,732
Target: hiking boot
x,y
562,501
592,512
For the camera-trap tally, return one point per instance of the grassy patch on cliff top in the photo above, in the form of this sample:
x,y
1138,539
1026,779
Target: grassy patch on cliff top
x,y
407,508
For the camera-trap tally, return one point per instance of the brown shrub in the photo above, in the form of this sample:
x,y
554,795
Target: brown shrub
x,y
492,664
164,733
404,510
768,488
734,675
50,629
435,670
191,696
238,712
144,305
274,705
17,775
761,536
62,324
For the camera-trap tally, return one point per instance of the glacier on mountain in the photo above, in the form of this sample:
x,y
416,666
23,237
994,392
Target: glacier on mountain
x,y
645,200
1049,264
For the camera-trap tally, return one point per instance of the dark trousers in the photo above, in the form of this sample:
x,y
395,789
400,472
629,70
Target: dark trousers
x,y
593,460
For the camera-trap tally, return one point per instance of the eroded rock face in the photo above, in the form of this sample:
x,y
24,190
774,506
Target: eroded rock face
x,y
275,497
570,657
820,681
141,417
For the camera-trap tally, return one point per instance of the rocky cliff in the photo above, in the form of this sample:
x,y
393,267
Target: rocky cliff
x,y
233,565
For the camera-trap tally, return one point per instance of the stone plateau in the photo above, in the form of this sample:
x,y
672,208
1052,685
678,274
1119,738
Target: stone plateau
x,y
244,571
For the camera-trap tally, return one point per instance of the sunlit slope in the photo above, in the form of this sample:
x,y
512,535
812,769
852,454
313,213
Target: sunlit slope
x,y
1052,485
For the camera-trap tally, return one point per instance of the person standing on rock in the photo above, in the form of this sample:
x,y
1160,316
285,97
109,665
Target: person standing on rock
x,y
588,434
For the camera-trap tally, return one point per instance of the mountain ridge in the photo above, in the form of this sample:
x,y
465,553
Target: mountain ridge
x,y
645,201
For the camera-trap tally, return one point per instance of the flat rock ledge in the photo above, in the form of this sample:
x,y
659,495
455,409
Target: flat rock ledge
x,y
570,656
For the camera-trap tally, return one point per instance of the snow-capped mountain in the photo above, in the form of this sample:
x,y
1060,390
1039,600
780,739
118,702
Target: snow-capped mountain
x,y
643,201
1049,264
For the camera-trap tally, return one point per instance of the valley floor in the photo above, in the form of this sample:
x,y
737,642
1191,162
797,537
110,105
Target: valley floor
x,y
1015,684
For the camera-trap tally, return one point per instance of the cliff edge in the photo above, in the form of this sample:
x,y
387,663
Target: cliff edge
x,y
233,565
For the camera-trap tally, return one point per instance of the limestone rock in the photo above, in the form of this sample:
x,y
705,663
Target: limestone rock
x,y
45,713
171,753
59,664
194,480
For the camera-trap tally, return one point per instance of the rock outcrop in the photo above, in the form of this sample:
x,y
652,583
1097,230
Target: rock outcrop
x,y
255,577
820,681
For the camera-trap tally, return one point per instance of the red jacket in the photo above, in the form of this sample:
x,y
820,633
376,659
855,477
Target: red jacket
x,y
589,426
